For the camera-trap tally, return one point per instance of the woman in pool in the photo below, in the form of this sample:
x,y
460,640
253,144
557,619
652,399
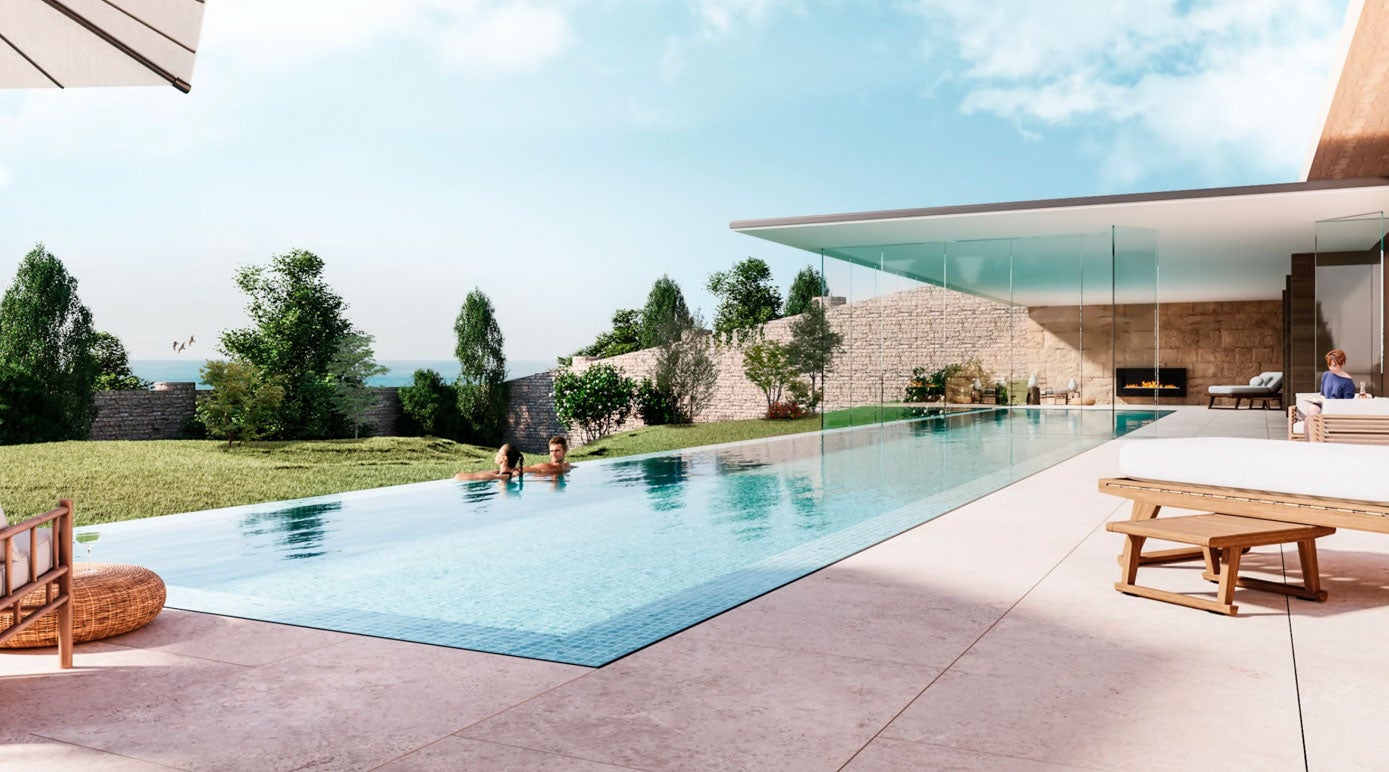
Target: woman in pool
x,y
509,461
1336,383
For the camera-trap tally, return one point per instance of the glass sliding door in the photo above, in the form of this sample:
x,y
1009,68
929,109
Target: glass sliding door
x,y
1350,297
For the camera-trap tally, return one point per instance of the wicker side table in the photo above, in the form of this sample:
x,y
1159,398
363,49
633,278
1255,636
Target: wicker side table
x,y
107,599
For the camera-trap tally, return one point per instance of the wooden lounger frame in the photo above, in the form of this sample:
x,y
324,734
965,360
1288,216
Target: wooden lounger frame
x,y
1356,429
55,583
1150,497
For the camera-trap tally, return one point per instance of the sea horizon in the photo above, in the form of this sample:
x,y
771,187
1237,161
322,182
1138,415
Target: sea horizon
x,y
400,371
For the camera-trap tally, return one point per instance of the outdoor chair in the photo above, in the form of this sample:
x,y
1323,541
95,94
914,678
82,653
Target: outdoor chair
x,y
36,575
1265,387
1356,421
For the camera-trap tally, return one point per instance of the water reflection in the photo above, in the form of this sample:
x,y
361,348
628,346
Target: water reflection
x,y
664,477
299,530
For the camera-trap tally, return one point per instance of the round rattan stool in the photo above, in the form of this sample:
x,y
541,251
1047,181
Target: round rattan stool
x,y
107,599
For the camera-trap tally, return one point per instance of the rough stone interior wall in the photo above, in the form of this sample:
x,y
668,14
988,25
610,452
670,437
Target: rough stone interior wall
x,y
157,414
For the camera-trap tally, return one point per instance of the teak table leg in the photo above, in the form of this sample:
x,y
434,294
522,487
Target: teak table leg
x,y
1229,573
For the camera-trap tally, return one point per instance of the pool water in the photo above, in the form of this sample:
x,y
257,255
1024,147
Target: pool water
x,y
617,555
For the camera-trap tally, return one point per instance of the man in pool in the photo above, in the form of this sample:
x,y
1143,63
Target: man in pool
x,y
559,448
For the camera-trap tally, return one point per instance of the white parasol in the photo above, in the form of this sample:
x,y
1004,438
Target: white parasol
x,y
67,43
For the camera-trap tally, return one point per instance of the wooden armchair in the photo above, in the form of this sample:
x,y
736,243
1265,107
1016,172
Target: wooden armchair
x,y
36,578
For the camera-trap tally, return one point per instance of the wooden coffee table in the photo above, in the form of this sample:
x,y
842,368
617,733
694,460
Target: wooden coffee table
x,y
107,599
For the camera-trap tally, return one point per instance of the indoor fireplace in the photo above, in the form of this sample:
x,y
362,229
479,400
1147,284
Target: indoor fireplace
x,y
1147,381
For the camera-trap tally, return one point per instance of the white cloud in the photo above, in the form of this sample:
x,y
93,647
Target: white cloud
x,y
718,20
1218,86
494,36
515,38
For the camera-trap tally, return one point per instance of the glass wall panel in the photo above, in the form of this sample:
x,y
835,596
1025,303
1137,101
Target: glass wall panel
x,y
1142,377
1350,297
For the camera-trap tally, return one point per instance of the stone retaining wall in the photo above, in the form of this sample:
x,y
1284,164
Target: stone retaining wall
x,y
930,327
163,412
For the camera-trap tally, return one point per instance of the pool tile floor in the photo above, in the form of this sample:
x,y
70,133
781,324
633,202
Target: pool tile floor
x,y
990,638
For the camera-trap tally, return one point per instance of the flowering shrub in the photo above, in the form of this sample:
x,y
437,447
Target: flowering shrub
x,y
785,410
598,400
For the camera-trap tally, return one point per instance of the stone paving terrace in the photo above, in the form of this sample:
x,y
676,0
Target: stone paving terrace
x,y
908,655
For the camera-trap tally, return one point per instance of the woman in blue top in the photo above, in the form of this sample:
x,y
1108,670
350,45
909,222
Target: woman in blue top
x,y
1336,383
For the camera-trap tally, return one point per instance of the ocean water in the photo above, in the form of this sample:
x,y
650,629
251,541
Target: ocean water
x,y
401,370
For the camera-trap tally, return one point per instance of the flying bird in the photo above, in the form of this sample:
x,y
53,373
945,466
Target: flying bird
x,y
175,345
190,340
181,347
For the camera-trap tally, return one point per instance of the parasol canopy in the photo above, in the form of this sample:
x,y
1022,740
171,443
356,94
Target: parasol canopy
x,y
68,43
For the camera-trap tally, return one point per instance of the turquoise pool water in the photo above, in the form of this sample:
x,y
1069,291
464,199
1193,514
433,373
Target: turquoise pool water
x,y
616,556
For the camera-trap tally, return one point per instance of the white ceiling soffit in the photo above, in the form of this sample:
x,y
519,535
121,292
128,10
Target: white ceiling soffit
x,y
1211,245
71,43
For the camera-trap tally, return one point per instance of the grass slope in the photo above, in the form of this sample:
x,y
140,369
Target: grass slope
x,y
110,481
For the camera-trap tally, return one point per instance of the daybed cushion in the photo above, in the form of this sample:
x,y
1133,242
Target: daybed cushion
x,y
1330,470
19,555
1376,406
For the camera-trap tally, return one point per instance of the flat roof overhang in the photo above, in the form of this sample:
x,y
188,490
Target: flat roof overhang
x,y
1213,243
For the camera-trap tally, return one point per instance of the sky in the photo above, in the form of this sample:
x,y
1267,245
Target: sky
x,y
561,155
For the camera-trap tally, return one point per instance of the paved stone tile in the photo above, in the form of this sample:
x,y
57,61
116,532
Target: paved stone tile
x,y
883,755
109,689
1080,674
455,753
908,621
699,704
37,753
354,705
226,639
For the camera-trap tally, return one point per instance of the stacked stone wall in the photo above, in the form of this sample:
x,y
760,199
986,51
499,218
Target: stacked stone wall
x,y
929,327
157,414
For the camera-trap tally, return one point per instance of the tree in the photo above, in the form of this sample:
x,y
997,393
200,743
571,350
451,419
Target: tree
x,y
685,372
429,406
46,339
665,314
747,299
297,321
113,365
482,394
244,403
813,346
623,338
597,400
767,366
353,364
807,286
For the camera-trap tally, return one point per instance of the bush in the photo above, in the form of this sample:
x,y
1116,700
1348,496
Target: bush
x,y
597,400
429,406
685,371
783,410
656,406
244,404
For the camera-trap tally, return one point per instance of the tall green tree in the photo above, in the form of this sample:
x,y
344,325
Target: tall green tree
x,y
46,339
767,367
113,365
623,338
664,315
813,346
297,322
747,299
807,286
354,364
482,393
684,371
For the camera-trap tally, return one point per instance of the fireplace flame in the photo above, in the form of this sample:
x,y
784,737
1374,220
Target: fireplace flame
x,y
1151,385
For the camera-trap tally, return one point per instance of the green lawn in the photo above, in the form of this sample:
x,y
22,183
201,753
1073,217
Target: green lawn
x,y
110,481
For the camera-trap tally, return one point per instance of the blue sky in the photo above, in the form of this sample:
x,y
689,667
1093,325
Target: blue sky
x,y
561,155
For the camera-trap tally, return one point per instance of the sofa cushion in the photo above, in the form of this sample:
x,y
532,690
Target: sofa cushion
x,y
1376,406
1273,380
20,554
1240,391
1331,470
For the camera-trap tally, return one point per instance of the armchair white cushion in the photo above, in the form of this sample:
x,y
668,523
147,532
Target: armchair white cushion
x,y
20,554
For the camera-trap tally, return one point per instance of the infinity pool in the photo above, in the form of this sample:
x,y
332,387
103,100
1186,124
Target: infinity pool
x,y
617,555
